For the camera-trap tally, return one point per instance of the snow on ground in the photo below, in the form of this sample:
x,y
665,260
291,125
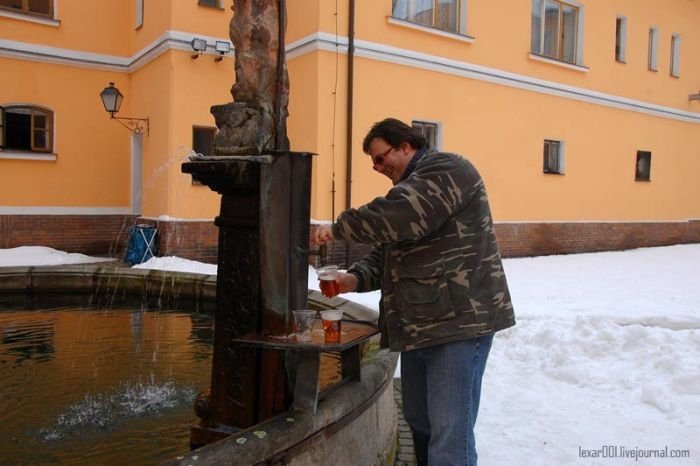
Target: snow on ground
x,y
603,365
604,360
25,256
177,264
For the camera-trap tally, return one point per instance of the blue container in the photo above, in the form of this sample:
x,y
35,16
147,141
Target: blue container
x,y
141,244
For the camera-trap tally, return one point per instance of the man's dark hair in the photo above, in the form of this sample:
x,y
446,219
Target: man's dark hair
x,y
394,132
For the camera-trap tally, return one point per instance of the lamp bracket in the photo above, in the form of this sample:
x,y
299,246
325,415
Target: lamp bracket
x,y
135,125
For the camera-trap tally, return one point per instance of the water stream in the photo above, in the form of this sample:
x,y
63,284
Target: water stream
x,y
87,387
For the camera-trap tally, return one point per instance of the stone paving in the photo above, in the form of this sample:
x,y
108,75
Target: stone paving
x,y
405,455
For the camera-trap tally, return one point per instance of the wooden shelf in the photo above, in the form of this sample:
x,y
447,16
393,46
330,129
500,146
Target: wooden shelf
x,y
306,388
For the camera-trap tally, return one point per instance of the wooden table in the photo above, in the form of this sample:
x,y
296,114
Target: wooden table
x,y
306,387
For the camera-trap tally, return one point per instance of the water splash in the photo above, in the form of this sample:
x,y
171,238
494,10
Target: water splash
x,y
105,411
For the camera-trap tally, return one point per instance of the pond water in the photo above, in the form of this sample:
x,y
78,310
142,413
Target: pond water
x,y
100,387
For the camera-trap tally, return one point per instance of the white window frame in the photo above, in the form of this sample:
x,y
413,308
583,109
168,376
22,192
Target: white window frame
x,y
6,153
546,158
675,55
34,18
621,39
438,130
461,21
578,59
139,14
25,10
653,53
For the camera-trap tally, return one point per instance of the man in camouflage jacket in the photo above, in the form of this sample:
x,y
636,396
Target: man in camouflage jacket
x,y
444,291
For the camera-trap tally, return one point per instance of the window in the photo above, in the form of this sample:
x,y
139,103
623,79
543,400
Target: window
x,y
203,139
621,39
653,49
211,3
555,30
446,15
26,128
429,130
30,7
139,14
676,55
553,161
642,170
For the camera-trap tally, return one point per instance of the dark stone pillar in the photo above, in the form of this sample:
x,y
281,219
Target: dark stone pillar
x,y
262,276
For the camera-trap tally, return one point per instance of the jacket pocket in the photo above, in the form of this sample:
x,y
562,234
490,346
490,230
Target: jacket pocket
x,y
424,292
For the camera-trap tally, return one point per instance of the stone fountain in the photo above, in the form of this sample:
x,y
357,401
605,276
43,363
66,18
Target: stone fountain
x,y
250,168
258,371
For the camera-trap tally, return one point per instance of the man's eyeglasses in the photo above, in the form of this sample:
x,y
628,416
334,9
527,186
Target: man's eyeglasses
x,y
379,159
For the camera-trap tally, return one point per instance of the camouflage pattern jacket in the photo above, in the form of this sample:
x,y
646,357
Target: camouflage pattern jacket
x,y
435,256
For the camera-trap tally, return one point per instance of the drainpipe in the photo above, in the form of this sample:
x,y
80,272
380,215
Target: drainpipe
x,y
280,132
348,141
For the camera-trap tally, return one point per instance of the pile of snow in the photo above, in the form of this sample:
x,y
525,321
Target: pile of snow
x,y
25,256
177,264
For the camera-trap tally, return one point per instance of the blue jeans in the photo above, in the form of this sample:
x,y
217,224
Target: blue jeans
x,y
441,389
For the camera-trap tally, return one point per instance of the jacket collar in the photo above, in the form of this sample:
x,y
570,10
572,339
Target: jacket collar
x,y
420,153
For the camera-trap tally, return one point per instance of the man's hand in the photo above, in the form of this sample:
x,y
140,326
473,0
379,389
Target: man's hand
x,y
344,283
347,282
323,234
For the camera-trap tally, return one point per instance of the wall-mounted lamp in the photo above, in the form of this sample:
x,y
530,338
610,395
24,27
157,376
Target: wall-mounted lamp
x,y
199,46
112,100
223,47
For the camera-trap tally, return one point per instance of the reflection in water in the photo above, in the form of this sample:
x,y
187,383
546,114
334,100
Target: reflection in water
x,y
87,387
28,340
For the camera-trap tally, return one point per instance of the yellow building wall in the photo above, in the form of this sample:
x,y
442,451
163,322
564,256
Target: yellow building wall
x,y
87,171
193,89
500,128
502,41
98,27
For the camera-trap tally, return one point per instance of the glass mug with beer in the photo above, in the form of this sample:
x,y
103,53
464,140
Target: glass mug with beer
x,y
327,276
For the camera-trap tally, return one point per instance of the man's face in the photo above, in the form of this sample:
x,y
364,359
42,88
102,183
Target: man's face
x,y
390,161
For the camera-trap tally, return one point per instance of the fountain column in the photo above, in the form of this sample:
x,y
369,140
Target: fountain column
x,y
263,228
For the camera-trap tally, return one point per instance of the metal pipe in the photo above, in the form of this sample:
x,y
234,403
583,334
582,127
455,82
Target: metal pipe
x,y
349,116
349,109
281,57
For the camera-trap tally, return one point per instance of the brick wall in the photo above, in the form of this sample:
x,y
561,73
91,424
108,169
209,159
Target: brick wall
x,y
106,235
190,240
537,239
97,235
